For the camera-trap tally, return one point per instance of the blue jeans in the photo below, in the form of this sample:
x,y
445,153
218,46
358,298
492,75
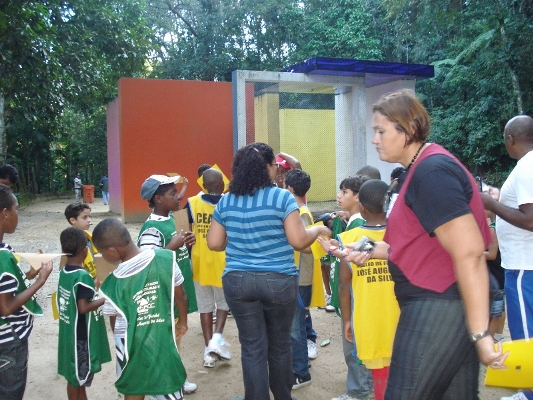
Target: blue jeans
x,y
432,357
311,334
263,305
105,197
300,363
13,369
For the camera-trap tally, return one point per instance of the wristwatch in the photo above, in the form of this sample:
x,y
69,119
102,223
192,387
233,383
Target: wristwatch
x,y
474,337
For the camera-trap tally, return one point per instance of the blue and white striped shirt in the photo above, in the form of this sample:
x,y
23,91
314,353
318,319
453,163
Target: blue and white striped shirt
x,y
254,227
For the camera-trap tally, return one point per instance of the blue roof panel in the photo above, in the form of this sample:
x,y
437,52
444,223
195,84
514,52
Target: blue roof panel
x,y
350,67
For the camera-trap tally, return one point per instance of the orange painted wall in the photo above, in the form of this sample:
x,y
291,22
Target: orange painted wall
x,y
165,126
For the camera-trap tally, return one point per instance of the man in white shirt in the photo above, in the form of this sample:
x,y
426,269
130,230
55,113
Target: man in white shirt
x,y
514,228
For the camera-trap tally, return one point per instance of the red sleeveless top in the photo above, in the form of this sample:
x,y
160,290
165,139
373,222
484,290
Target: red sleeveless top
x,y
421,257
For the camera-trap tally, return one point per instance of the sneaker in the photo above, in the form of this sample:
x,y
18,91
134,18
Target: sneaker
x,y
312,351
328,300
219,349
189,387
516,396
301,381
209,360
346,396
329,307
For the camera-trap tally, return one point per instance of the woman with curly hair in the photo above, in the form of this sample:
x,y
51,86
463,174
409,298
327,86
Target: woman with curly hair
x,y
259,226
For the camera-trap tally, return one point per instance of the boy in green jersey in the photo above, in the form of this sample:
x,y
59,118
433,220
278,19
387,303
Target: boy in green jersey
x,y
143,291
83,344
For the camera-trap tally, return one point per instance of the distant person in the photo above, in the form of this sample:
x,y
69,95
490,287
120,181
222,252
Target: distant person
x,y
82,341
18,304
370,172
79,216
78,185
259,226
141,295
9,175
207,267
514,228
104,185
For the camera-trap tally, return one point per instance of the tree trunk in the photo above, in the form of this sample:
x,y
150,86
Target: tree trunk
x,y
2,131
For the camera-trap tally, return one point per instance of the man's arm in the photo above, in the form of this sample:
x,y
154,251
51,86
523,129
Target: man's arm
x,y
521,217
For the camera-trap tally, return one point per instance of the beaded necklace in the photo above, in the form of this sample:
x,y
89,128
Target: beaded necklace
x,y
416,155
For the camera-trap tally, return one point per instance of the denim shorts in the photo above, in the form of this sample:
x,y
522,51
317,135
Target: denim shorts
x,y
13,368
497,303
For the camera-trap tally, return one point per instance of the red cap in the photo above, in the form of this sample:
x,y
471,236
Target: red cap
x,y
283,163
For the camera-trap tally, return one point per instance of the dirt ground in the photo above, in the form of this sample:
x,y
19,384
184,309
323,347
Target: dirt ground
x,y
39,227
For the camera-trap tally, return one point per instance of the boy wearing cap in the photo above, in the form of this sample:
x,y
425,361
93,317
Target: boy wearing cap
x,y
285,163
159,231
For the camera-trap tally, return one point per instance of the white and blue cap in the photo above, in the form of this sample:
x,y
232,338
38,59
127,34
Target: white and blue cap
x,y
151,184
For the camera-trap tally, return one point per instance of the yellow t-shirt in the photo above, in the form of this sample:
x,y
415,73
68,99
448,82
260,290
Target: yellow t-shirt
x,y
317,291
375,310
207,265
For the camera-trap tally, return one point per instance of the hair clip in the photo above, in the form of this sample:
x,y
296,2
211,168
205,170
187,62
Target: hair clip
x,y
255,149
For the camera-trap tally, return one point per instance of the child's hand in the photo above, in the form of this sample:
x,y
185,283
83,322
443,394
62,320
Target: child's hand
x,y
181,328
189,238
97,283
327,243
348,332
45,271
185,181
177,241
356,257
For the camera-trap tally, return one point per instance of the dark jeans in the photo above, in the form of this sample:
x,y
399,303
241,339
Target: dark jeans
x,y
263,305
13,369
300,363
432,357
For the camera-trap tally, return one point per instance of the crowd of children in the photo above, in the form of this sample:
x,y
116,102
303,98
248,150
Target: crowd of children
x,y
166,275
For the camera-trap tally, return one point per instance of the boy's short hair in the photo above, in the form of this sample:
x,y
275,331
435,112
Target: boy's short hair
x,y
75,209
370,172
396,172
110,232
353,182
299,180
202,168
10,173
73,241
7,199
371,195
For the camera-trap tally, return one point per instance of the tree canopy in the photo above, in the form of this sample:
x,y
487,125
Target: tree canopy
x,y
61,59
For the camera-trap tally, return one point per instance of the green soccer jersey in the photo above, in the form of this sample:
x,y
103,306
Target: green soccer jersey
x,y
67,291
145,298
166,228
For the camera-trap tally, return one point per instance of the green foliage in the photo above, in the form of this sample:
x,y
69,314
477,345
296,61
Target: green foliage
x,y
64,55
61,59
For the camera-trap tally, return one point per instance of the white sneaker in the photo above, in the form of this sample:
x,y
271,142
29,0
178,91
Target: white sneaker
x,y
345,396
516,396
312,351
209,360
189,387
329,307
219,349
